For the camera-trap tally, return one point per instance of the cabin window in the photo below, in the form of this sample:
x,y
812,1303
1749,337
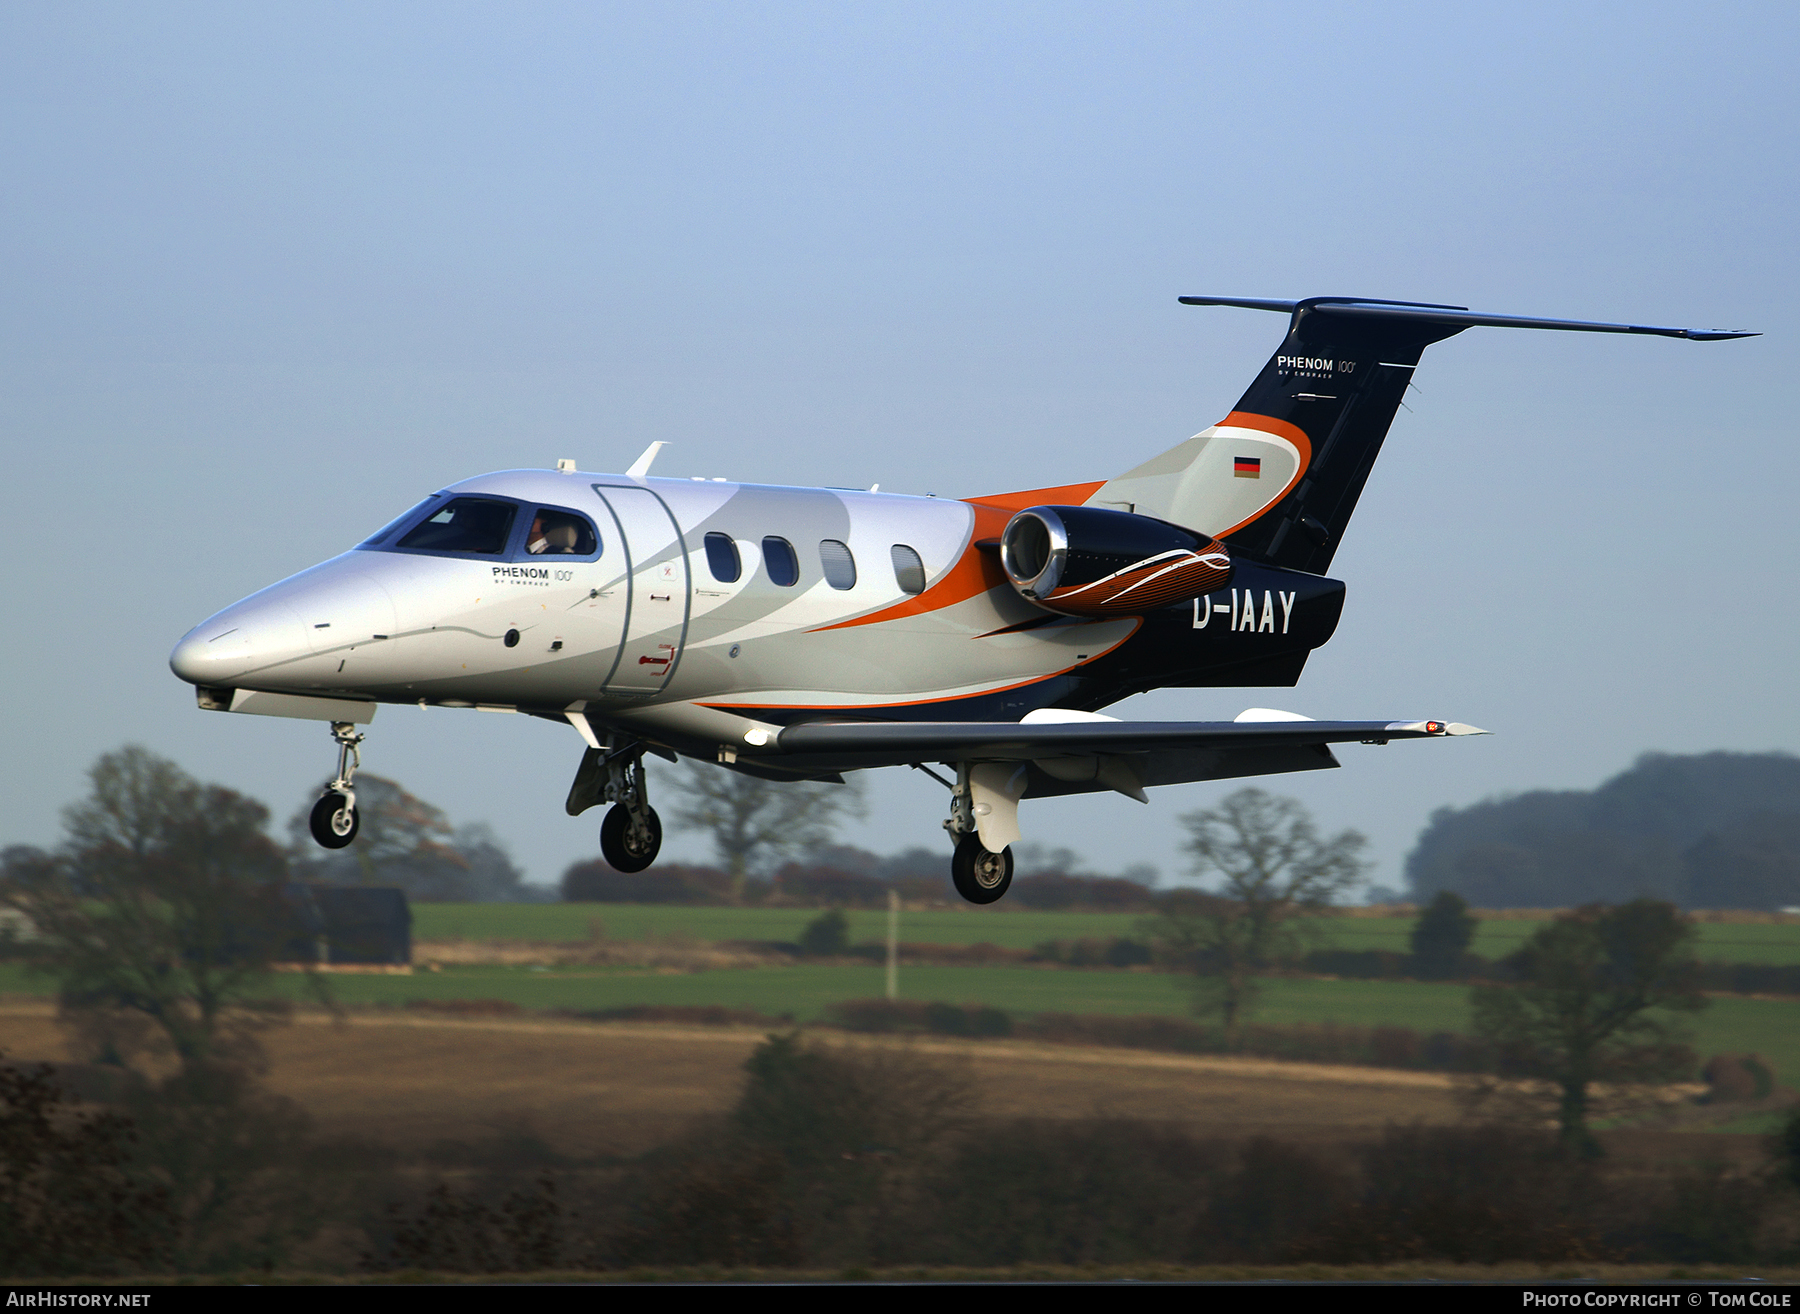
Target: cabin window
x,y
465,524
783,565
909,571
839,565
722,558
560,534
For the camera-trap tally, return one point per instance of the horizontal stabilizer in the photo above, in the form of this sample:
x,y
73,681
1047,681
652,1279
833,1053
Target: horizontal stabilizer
x,y
1457,317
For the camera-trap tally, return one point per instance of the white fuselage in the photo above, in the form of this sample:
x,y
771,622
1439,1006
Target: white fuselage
x,y
889,600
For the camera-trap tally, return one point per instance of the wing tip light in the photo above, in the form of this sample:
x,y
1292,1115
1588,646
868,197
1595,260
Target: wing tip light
x,y
1435,728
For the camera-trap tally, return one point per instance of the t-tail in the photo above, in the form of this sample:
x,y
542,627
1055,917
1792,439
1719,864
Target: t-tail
x,y
1279,477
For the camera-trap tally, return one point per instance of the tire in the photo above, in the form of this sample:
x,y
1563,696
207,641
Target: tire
x,y
980,876
333,823
616,842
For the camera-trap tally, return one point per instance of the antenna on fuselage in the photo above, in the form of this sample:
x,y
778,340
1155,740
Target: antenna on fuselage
x,y
640,468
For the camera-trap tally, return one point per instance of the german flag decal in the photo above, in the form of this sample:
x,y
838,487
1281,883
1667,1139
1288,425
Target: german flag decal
x,y
1247,467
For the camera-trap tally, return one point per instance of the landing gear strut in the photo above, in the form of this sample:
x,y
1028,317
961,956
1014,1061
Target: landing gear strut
x,y
980,876
631,834
334,821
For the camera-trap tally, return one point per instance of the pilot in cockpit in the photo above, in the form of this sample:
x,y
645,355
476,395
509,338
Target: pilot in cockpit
x,y
553,535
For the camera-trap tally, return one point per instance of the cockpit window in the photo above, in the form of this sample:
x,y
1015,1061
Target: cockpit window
x,y
465,524
393,526
560,534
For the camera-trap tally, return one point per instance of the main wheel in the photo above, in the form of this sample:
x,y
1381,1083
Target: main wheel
x,y
334,821
980,876
621,848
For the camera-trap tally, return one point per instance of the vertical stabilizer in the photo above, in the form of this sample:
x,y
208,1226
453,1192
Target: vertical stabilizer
x,y
1279,477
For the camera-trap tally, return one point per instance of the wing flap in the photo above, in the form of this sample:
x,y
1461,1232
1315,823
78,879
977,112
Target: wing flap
x,y
897,742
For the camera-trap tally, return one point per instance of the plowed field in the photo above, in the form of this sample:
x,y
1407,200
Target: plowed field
x,y
599,1088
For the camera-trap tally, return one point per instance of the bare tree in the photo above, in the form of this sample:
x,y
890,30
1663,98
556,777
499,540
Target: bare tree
x,y
752,820
164,904
409,843
395,824
1591,1005
1272,869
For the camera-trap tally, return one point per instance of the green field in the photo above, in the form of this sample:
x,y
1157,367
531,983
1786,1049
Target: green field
x,y
1726,942
1011,928
1730,1025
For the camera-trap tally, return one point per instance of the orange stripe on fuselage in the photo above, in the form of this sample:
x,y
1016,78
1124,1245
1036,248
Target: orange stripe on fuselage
x,y
1067,495
975,572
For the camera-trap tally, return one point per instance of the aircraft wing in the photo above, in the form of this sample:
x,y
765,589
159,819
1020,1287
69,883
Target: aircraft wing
x,y
901,742
1084,755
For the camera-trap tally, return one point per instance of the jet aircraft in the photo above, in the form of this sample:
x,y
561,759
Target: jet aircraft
x,y
800,633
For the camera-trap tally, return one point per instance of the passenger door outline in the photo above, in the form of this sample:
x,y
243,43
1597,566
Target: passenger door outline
x,y
624,505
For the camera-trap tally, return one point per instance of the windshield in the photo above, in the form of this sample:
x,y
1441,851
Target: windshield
x,y
393,526
464,524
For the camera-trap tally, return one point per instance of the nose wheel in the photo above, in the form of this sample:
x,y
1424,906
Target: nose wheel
x,y
334,820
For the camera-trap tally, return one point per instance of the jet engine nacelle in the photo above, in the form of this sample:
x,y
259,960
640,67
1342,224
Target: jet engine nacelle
x,y
1085,561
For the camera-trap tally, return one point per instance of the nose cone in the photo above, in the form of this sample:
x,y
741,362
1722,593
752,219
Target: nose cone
x,y
248,637
190,659
291,635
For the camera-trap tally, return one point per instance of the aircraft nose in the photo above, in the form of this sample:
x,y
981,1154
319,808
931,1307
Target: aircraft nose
x,y
219,650
190,659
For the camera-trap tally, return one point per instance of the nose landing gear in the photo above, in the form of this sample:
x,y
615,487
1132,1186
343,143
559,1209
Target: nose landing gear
x,y
631,833
334,821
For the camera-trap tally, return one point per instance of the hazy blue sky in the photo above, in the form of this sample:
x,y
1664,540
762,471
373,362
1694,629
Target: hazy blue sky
x,y
270,273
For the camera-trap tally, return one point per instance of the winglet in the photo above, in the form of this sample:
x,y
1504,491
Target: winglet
x,y
640,468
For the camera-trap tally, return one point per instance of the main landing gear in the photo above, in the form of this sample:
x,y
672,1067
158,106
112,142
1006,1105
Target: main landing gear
x,y
334,821
631,834
980,876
